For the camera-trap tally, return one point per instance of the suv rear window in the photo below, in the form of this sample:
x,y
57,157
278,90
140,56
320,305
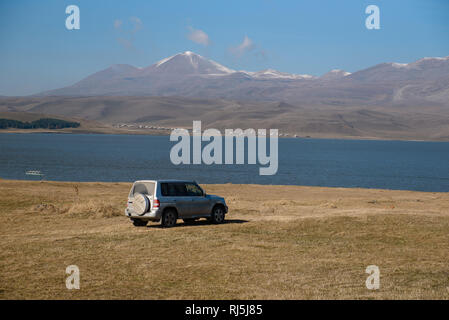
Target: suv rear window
x,y
145,188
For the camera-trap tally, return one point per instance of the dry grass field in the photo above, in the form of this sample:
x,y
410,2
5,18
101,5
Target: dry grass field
x,y
279,242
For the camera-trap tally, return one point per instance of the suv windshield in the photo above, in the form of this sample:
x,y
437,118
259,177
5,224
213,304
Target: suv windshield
x,y
193,190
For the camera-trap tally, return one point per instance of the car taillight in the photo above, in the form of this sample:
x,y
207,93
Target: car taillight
x,y
156,203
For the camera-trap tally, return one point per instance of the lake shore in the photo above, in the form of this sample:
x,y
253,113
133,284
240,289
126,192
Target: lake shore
x,y
279,242
96,127
121,131
91,130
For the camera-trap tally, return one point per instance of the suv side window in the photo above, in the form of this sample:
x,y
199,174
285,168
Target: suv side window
x,y
180,189
173,189
193,190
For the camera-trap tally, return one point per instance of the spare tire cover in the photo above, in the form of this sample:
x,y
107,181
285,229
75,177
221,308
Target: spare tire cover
x,y
141,204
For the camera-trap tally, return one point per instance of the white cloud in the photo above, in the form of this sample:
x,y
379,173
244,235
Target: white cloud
x,y
246,45
137,23
117,23
126,33
198,36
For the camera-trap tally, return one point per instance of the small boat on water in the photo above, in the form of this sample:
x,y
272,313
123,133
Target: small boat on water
x,y
34,173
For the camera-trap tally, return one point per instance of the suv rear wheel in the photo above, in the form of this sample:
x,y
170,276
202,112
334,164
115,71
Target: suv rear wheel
x,y
169,218
218,214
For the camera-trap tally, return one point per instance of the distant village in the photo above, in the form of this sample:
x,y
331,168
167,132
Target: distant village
x,y
155,127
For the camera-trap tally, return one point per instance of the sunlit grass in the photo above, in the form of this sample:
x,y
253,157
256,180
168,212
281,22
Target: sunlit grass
x,y
297,247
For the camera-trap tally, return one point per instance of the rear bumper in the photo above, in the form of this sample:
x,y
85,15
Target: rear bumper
x,y
153,215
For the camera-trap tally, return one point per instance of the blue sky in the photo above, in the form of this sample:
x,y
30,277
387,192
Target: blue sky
x,y
307,37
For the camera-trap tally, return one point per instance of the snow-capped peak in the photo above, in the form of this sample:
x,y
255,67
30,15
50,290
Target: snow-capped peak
x,y
187,53
189,62
335,74
417,63
160,62
339,71
275,74
434,58
399,65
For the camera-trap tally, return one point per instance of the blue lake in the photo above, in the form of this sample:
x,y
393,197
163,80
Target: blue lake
x,y
407,165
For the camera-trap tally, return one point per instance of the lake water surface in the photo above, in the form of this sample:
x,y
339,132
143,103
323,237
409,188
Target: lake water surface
x,y
407,165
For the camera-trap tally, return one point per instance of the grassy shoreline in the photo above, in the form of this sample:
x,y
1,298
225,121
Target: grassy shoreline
x,y
157,133
280,242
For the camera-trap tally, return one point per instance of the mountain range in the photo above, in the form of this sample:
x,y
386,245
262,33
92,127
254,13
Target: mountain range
x,y
386,101
187,74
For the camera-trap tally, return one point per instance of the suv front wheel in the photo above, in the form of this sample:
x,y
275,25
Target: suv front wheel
x,y
218,214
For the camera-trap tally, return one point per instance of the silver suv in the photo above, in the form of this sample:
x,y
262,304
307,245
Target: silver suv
x,y
169,200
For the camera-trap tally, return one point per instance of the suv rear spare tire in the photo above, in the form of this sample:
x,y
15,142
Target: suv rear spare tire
x,y
141,204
